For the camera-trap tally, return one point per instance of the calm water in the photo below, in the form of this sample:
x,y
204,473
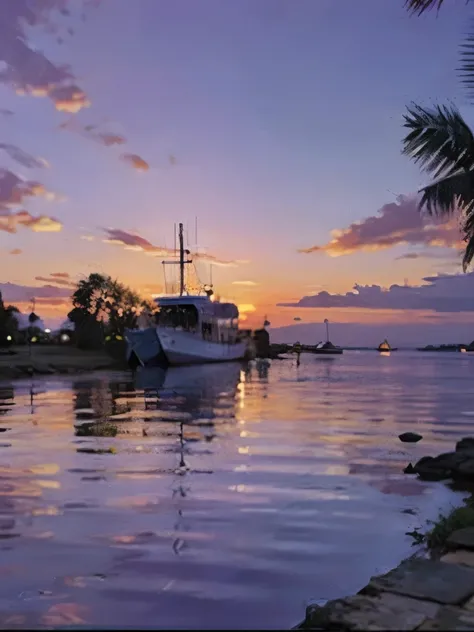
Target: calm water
x,y
230,498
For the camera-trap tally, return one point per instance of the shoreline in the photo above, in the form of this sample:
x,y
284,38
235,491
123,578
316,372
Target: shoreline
x,y
433,589
18,363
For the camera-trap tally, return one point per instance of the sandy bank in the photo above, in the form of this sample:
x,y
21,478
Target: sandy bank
x,y
51,360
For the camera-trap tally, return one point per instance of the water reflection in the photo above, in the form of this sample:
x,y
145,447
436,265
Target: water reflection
x,y
186,498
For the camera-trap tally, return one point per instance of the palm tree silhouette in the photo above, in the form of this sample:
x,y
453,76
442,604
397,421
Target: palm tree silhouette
x,y
441,142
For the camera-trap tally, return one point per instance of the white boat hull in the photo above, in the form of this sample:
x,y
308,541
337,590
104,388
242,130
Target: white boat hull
x,y
182,347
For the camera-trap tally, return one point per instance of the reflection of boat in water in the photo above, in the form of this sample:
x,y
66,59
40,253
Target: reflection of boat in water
x,y
385,347
211,379
326,348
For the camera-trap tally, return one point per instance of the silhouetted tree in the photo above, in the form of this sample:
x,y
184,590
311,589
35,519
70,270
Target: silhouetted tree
x,y
441,142
102,306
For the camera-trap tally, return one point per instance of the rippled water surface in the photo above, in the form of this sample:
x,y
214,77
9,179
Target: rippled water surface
x,y
228,498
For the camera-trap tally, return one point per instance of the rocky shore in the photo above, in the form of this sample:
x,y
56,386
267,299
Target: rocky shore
x,y
53,360
430,592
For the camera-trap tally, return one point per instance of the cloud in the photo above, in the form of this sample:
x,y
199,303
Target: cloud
x,y
14,190
111,139
92,132
396,223
429,255
16,293
6,112
15,251
26,69
60,275
442,293
39,224
131,241
135,161
247,283
53,279
22,157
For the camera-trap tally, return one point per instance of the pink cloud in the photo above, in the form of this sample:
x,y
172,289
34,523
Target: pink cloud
x,y
135,161
396,223
15,251
27,70
14,190
135,242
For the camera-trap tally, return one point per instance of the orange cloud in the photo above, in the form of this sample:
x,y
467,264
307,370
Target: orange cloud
x,y
246,283
135,161
39,224
15,251
395,224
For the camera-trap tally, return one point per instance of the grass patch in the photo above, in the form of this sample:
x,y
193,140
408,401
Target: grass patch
x,y
96,429
435,538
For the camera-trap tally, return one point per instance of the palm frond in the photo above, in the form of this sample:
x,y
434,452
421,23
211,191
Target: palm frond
x,y
468,254
466,70
420,6
448,195
439,140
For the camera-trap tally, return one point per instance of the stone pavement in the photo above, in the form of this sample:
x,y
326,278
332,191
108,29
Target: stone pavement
x,y
420,594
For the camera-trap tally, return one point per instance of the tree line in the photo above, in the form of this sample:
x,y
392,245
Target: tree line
x,y
102,308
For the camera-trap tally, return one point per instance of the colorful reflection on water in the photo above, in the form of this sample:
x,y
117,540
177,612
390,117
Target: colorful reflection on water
x,y
222,496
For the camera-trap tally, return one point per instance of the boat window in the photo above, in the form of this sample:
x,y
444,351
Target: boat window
x,y
182,316
207,331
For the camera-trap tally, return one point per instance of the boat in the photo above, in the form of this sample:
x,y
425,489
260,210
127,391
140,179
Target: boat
x,y
325,348
194,329
385,347
143,348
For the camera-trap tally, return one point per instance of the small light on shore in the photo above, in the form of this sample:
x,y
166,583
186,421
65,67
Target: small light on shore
x,y
47,331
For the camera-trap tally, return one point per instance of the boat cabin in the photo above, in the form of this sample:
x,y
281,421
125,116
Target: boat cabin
x,y
210,320
384,346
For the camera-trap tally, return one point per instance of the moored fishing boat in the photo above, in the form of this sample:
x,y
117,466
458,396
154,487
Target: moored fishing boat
x,y
193,328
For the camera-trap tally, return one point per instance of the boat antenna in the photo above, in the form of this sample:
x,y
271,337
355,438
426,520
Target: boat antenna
x,y
181,260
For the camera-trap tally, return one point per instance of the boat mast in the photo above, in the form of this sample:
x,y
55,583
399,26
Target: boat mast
x,y
181,260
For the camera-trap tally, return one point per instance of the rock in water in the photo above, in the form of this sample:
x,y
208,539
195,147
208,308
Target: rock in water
x,y
465,444
410,437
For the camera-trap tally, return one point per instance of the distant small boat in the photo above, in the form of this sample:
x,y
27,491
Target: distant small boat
x,y
385,346
326,348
